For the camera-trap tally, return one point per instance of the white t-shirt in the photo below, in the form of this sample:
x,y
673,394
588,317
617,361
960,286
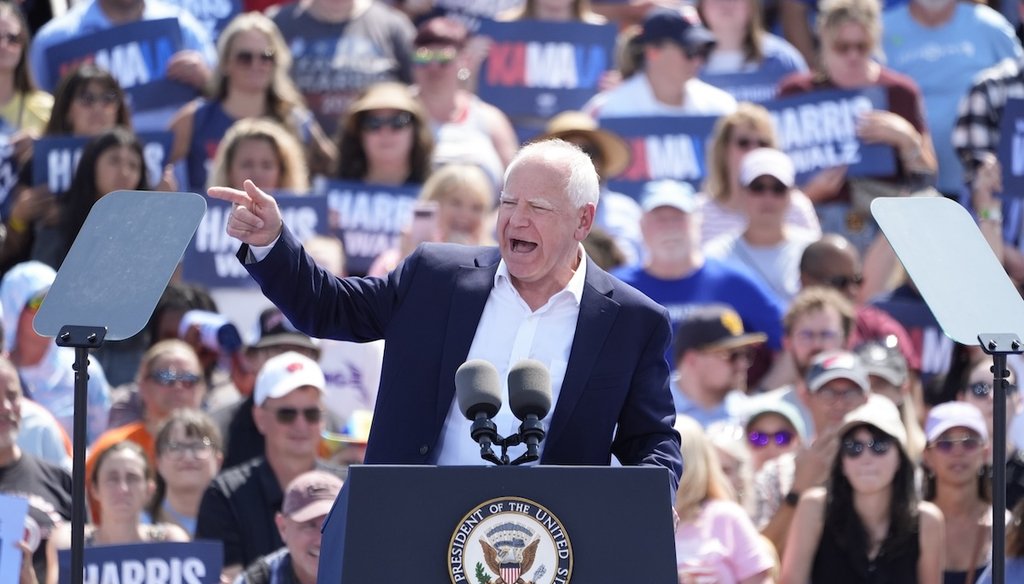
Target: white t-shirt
x,y
634,97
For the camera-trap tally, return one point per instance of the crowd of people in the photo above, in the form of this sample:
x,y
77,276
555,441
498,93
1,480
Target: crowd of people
x,y
829,432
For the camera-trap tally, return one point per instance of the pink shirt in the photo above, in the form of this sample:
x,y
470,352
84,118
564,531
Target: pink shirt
x,y
723,539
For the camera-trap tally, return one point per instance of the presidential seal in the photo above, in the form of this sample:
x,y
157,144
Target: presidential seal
x,y
510,540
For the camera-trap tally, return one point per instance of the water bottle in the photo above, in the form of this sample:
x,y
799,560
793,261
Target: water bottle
x,y
215,331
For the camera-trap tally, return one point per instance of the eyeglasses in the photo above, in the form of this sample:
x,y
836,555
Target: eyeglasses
x,y
735,356
168,378
11,39
396,122
773,186
762,439
425,56
844,47
287,416
946,445
89,99
878,446
247,58
847,395
809,336
200,449
845,281
745,143
983,389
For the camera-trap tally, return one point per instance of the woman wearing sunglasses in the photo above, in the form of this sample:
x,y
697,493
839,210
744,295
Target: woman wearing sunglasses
x,y
958,481
251,81
773,428
715,539
867,524
977,390
735,134
385,138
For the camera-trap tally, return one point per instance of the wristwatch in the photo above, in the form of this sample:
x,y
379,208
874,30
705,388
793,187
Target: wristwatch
x,y
791,498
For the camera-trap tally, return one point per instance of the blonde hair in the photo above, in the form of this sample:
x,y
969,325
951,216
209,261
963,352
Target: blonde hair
x,y
835,13
294,172
456,176
753,36
282,95
747,114
162,349
702,478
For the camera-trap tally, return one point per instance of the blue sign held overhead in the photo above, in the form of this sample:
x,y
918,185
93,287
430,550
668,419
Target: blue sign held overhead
x,y
55,159
1011,147
136,54
542,68
195,562
213,14
210,257
819,131
663,147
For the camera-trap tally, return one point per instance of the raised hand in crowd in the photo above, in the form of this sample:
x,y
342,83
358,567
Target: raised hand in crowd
x,y
255,218
885,127
190,68
825,184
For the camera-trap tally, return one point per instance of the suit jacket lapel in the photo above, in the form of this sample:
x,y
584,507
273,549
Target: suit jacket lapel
x,y
472,287
597,313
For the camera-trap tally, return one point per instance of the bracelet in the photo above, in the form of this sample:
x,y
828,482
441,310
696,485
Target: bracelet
x,y
17,225
993,214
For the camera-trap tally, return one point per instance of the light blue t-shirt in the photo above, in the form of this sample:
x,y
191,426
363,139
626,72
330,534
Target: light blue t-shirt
x,y
757,81
943,61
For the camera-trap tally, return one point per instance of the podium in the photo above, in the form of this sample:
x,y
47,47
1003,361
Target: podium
x,y
472,525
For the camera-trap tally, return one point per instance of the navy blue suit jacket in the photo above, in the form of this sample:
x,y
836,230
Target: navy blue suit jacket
x,y
614,399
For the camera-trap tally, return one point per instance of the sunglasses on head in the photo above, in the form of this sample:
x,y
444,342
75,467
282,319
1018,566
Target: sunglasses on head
x,y
88,98
983,388
746,143
288,416
763,439
878,445
425,56
249,57
969,444
168,378
773,186
396,122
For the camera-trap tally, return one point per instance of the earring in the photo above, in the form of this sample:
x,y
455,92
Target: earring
x,y
463,73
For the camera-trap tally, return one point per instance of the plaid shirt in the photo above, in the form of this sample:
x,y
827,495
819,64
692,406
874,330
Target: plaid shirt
x,y
977,126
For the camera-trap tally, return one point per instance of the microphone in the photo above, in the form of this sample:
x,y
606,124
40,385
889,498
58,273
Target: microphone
x,y
479,393
529,396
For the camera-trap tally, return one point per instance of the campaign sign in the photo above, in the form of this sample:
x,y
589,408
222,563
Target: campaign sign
x,y
543,68
194,562
13,510
756,87
1011,147
213,14
667,147
8,172
210,257
368,218
819,130
136,55
55,159
472,12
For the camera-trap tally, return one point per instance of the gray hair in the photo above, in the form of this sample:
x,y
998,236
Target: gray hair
x,y
583,185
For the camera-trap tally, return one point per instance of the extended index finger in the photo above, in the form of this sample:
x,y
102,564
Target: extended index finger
x,y
234,196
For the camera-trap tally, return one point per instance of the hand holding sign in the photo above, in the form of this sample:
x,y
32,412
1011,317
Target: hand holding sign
x,y
881,127
255,218
190,68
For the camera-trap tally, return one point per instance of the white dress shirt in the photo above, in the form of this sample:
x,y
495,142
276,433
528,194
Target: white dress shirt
x,y
508,332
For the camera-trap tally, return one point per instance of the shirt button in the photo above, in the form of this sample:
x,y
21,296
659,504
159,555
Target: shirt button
x,y
424,449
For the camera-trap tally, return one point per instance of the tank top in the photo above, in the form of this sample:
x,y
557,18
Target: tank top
x,y
209,124
834,564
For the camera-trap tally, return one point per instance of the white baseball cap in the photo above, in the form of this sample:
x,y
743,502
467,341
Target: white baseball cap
x,y
285,373
767,162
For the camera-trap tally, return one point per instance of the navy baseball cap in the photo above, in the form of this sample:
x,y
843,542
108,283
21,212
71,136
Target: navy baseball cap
x,y
664,24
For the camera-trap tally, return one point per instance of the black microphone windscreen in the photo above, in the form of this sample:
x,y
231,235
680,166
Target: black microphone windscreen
x,y
529,389
478,388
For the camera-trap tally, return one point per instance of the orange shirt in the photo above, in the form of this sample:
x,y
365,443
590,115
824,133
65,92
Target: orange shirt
x,y
135,432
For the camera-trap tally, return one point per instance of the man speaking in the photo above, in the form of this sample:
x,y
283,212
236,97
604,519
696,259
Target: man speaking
x,y
536,296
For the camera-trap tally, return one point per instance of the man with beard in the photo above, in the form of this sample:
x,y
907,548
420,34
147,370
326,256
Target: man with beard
x,y
942,44
46,486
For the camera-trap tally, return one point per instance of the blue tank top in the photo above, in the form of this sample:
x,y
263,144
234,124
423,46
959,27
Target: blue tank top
x,y
209,125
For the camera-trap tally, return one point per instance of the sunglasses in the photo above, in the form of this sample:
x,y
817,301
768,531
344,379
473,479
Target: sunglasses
x,y
878,445
169,378
745,143
983,388
763,439
736,355
848,395
288,416
844,47
395,122
247,58
846,281
425,56
89,99
946,445
11,39
775,187
199,449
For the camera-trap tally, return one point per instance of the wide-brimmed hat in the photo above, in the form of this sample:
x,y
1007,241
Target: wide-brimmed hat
x,y
614,152
387,95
